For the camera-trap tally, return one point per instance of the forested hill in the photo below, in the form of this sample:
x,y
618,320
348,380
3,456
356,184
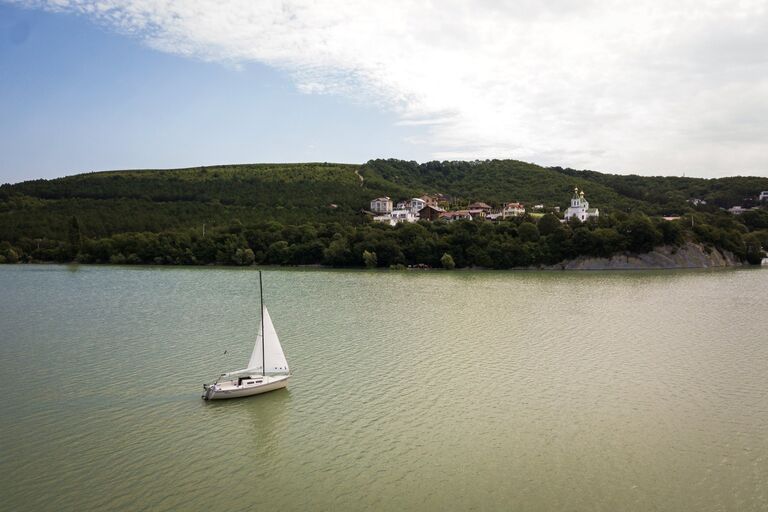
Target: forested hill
x,y
157,200
308,206
497,181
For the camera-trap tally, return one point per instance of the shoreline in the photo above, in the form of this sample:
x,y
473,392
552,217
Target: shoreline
x,y
689,256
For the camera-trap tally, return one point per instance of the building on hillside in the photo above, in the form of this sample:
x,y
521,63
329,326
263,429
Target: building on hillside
x,y
695,201
737,210
381,205
480,207
403,216
397,216
430,213
456,215
429,201
763,195
512,210
416,204
580,208
413,205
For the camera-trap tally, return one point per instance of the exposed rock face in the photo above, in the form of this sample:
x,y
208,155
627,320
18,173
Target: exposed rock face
x,y
688,255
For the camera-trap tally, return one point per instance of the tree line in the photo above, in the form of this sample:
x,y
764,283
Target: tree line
x,y
511,243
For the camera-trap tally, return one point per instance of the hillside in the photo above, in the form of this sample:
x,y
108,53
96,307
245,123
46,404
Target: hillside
x,y
158,200
670,193
309,206
493,182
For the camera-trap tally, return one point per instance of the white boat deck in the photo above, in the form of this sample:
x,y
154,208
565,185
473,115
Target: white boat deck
x,y
245,386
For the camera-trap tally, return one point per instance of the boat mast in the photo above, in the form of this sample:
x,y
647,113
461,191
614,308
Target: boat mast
x,y
261,295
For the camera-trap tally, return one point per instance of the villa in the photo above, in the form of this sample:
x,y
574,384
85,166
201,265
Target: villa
x,y
512,210
381,205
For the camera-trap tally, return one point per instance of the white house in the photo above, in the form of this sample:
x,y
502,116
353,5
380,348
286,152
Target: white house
x,y
382,205
737,210
397,216
764,195
512,210
413,205
416,204
580,208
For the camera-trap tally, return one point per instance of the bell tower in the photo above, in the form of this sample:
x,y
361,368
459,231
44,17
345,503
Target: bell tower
x,y
575,199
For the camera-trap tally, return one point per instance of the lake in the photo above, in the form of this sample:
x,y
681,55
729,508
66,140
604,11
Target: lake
x,y
465,390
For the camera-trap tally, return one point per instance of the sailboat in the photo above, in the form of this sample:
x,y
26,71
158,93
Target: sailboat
x,y
267,368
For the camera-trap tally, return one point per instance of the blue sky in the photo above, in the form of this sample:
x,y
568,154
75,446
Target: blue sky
x,y
75,97
625,86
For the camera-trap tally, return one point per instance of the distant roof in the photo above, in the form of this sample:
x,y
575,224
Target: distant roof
x,y
479,205
457,213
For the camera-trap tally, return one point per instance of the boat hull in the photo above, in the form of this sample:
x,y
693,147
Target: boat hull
x,y
238,391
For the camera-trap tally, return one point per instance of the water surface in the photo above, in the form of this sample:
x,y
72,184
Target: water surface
x,y
411,391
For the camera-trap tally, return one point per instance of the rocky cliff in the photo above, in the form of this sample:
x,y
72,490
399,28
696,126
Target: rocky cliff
x,y
689,255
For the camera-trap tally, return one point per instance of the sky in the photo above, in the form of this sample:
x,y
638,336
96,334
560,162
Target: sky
x,y
643,87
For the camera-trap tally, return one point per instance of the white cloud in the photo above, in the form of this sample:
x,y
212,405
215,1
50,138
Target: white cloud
x,y
615,85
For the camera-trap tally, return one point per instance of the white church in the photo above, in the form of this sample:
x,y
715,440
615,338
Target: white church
x,y
580,208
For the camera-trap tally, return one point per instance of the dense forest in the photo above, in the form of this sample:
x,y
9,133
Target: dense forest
x,y
301,214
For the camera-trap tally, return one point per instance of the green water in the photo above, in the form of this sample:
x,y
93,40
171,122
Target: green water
x,y
611,391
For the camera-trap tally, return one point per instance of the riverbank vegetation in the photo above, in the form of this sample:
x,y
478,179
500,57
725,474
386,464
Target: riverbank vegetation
x,y
520,242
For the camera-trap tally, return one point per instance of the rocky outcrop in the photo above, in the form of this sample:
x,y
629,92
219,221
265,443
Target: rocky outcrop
x,y
689,255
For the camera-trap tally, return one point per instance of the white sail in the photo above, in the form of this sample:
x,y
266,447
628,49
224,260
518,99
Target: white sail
x,y
273,351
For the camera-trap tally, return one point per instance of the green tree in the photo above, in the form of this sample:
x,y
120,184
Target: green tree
x,y
244,257
671,232
447,261
548,224
74,237
369,258
641,233
754,250
11,256
528,232
607,241
337,254
278,253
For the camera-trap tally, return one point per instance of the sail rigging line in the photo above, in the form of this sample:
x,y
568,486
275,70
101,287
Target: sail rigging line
x,y
263,352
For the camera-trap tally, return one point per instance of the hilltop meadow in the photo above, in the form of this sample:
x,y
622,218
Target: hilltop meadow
x,y
316,214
